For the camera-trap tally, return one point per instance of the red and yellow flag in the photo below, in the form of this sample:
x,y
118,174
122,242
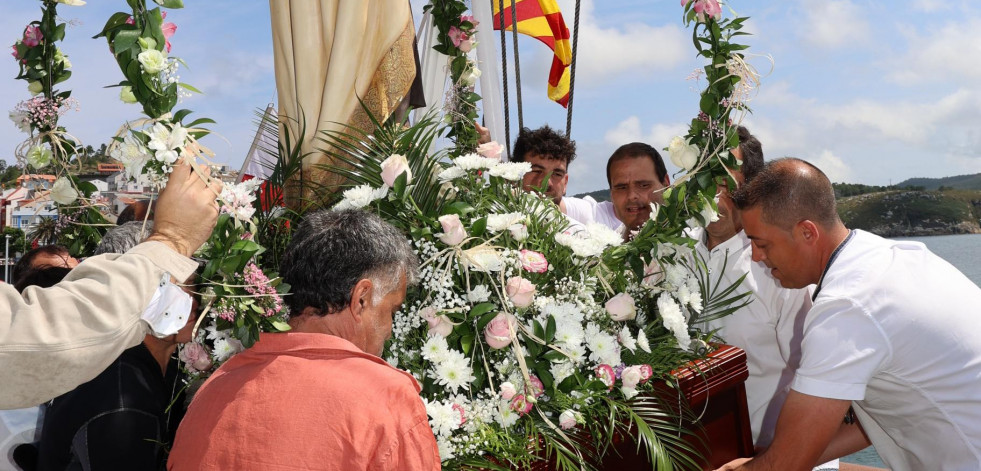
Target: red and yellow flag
x,y
542,20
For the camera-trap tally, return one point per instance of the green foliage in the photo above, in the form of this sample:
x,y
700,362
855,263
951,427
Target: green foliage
x,y
909,213
462,112
960,182
18,240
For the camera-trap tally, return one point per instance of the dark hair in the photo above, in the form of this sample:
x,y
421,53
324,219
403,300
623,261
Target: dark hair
x,y
43,276
752,151
332,250
636,150
134,212
121,238
544,142
788,191
26,262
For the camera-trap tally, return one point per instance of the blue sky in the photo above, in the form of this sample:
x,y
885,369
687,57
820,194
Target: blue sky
x,y
872,91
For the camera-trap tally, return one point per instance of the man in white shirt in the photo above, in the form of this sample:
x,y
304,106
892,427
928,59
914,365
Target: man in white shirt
x,y
892,332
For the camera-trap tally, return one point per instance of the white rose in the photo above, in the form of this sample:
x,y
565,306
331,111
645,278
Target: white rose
x,y
394,166
567,419
470,77
682,153
621,307
62,191
153,61
508,390
453,232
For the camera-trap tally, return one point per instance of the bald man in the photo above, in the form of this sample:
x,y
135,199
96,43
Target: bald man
x,y
892,332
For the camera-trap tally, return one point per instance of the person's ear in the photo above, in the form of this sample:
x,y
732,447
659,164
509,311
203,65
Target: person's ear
x,y
808,232
361,297
666,181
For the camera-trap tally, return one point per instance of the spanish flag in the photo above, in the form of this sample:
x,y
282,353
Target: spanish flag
x,y
542,20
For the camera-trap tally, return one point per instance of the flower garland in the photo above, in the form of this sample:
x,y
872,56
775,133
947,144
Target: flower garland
x,y
456,40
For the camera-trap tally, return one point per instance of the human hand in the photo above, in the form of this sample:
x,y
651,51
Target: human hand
x,y
483,134
186,210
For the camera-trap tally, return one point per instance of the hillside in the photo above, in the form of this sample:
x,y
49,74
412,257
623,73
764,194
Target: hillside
x,y
913,213
598,195
960,182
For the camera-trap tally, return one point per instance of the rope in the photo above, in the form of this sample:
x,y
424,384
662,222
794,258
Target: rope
x,y
504,72
572,73
517,63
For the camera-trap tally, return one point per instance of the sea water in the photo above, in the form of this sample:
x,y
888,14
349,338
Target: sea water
x,y
963,252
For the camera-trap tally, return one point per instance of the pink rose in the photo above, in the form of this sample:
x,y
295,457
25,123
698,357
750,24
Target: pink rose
x,y
491,150
466,45
469,19
521,404
453,232
567,419
394,166
443,327
533,261
632,376
534,386
429,314
498,331
32,36
508,390
195,357
605,374
520,291
621,307
456,35
653,274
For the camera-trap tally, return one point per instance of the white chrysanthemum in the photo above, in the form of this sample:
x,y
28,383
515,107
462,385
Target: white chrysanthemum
x,y
474,162
435,349
562,370
360,196
479,294
226,347
604,235
512,171
450,174
695,297
442,418
581,247
627,340
569,332
642,341
675,275
454,371
446,449
603,348
212,332
506,417
500,222
674,320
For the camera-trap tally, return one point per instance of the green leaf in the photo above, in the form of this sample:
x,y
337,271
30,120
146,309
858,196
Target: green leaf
x,y
170,3
116,20
460,208
400,183
190,88
550,329
124,41
279,326
479,227
467,343
180,114
568,384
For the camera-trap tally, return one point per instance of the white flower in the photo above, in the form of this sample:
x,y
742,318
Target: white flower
x,y
519,232
163,138
470,76
435,350
482,258
153,61
604,348
237,199
567,419
450,174
132,155
62,192
683,154
474,162
627,340
582,247
512,171
74,3
454,371
360,196
505,416
393,166
225,348
442,418
39,156
708,212
21,120
642,341
562,370
126,94
479,294
603,234
621,307
35,87
500,222
674,320
445,449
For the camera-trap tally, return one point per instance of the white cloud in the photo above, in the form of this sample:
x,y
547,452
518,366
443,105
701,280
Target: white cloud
x,y
631,48
832,166
931,6
629,130
833,24
948,53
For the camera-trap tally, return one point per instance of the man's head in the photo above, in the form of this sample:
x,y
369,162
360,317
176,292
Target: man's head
x,y
43,256
43,276
348,270
788,211
549,154
121,238
134,212
637,178
750,153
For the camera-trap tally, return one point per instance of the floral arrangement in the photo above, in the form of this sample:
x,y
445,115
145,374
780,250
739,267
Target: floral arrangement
x,y
456,40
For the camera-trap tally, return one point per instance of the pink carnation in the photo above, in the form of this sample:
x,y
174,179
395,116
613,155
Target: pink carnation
x,y
533,261
605,374
535,386
521,404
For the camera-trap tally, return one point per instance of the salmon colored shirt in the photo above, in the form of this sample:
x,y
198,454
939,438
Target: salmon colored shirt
x,y
306,401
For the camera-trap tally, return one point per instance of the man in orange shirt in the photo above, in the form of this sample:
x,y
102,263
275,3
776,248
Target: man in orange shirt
x,y
319,396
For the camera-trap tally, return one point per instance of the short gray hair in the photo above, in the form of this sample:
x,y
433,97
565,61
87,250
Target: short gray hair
x,y
120,239
332,250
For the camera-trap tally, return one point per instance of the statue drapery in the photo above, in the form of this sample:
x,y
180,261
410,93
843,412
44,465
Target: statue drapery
x,y
330,53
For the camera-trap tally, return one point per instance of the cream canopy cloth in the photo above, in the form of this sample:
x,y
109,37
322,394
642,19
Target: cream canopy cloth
x,y
328,53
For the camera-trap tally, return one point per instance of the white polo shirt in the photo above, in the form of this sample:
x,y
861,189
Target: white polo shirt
x,y
898,330
587,210
765,328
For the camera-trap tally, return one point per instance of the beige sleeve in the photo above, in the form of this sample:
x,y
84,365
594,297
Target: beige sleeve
x,y
53,339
